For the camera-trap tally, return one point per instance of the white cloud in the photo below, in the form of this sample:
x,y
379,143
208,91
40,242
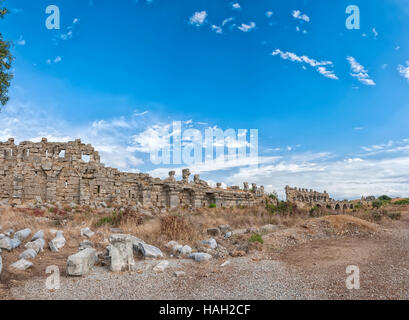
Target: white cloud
x,y
359,72
21,41
375,33
225,21
319,65
269,14
247,27
297,15
404,71
56,60
236,6
198,18
217,29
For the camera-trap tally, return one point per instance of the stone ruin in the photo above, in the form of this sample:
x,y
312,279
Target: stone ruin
x,y
71,173
309,198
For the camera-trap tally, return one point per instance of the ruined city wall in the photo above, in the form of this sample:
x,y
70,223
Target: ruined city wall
x,y
71,172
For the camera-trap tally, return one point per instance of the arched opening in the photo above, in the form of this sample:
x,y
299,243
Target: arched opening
x,y
337,206
344,207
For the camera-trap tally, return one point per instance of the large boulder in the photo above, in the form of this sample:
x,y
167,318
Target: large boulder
x,y
121,252
37,245
5,243
149,251
200,256
58,242
22,234
161,266
21,264
28,254
82,262
38,235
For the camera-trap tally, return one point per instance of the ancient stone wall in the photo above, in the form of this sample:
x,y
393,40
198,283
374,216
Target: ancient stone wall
x,y
71,172
308,198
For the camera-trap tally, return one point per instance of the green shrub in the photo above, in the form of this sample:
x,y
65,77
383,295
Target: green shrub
x,y
256,237
402,201
114,219
384,198
377,204
315,211
212,205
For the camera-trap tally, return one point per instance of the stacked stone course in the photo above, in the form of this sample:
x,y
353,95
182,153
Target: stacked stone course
x,y
71,172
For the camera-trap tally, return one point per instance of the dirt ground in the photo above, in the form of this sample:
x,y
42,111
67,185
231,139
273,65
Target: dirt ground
x,y
304,261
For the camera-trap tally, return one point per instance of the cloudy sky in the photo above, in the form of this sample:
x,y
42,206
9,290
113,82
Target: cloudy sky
x,y
330,104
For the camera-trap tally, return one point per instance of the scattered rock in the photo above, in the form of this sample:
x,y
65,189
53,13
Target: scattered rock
x,y
268,228
220,252
161,266
36,245
171,244
58,242
228,235
213,232
82,262
87,232
225,263
85,245
28,254
251,230
21,264
224,228
238,232
121,252
6,244
200,256
149,251
38,235
116,230
186,250
15,243
211,243
179,274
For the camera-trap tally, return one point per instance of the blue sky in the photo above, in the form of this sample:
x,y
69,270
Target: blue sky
x,y
330,104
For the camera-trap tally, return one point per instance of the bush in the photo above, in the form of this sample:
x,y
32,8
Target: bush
x,y
384,198
401,201
377,204
212,205
256,237
176,227
283,208
315,211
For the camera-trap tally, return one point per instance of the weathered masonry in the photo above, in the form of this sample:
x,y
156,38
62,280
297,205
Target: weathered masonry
x,y
71,172
309,198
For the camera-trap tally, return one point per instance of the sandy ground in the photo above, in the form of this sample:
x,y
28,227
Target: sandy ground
x,y
313,269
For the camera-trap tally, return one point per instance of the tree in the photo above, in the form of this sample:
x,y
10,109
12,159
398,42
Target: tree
x,y
5,64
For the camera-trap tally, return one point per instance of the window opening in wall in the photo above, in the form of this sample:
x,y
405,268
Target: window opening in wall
x,y
36,173
66,183
85,157
46,153
62,154
98,189
11,152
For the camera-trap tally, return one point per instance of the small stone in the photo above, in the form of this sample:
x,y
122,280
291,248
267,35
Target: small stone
x,y
87,232
200,256
85,245
179,274
149,251
268,228
238,232
210,242
22,234
225,263
224,228
6,244
36,245
21,264
228,235
161,266
186,250
171,244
